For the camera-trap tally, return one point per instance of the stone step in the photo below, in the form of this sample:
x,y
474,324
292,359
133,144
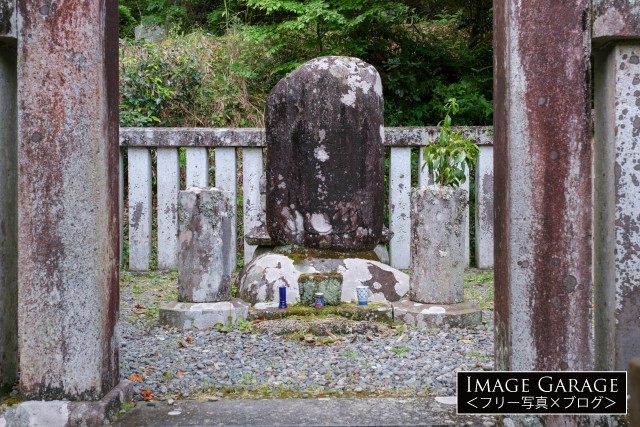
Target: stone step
x,y
303,412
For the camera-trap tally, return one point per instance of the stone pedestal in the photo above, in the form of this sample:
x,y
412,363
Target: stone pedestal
x,y
206,315
461,315
438,219
205,240
304,271
205,223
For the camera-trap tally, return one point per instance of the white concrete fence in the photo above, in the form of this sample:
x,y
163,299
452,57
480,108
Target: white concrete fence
x,y
225,146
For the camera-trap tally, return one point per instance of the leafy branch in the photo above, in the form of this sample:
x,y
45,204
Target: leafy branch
x,y
447,157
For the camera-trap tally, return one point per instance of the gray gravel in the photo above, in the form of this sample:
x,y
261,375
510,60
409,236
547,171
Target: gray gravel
x,y
216,364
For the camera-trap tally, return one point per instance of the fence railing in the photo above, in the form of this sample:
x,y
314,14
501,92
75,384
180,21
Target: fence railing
x,y
183,156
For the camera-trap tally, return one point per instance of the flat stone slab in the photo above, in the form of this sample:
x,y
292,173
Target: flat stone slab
x,y
64,412
203,315
327,412
461,315
379,312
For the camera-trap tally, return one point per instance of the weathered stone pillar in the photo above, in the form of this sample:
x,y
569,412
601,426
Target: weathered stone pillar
x,y
542,126
8,197
205,234
205,220
438,219
617,184
68,198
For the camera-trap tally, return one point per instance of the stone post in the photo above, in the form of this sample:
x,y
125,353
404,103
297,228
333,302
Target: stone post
x,y
542,134
8,197
438,219
617,182
68,198
205,239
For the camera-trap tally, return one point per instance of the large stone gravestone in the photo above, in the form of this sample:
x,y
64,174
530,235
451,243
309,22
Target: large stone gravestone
x,y
324,129
325,163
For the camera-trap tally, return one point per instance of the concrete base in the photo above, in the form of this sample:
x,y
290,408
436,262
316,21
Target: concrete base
x,y
184,315
462,315
64,412
330,412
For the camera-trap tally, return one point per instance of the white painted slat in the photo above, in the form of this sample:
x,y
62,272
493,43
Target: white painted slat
x,y
225,165
253,213
399,206
467,234
197,167
484,208
168,170
139,170
424,177
121,204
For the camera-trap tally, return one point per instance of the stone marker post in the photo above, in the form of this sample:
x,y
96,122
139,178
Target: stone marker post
x,y
616,34
542,126
438,219
205,238
8,196
68,198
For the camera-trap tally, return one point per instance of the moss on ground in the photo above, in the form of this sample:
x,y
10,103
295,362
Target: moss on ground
x,y
478,287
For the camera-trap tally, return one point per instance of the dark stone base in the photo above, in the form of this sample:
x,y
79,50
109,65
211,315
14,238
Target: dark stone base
x,y
67,413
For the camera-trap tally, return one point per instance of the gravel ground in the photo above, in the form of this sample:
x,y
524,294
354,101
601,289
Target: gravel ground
x,y
394,362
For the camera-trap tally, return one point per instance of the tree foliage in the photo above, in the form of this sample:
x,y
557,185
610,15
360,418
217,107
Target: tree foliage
x,y
426,51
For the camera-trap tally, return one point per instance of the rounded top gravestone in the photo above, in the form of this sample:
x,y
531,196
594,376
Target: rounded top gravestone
x,y
325,176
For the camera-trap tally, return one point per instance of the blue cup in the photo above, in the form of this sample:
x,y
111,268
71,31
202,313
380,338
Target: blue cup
x,y
283,296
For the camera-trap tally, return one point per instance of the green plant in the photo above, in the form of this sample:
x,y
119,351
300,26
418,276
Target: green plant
x,y
244,325
399,351
451,153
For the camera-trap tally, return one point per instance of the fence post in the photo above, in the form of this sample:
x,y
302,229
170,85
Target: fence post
x,y
197,167
484,208
8,196
400,206
168,179
543,208
226,179
253,212
140,215
617,179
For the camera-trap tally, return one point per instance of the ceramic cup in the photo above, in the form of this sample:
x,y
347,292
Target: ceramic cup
x,y
362,292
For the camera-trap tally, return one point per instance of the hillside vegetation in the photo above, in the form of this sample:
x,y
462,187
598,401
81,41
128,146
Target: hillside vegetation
x,y
221,58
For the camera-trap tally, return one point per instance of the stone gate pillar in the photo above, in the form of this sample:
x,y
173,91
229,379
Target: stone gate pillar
x,y
542,143
68,198
8,197
616,37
